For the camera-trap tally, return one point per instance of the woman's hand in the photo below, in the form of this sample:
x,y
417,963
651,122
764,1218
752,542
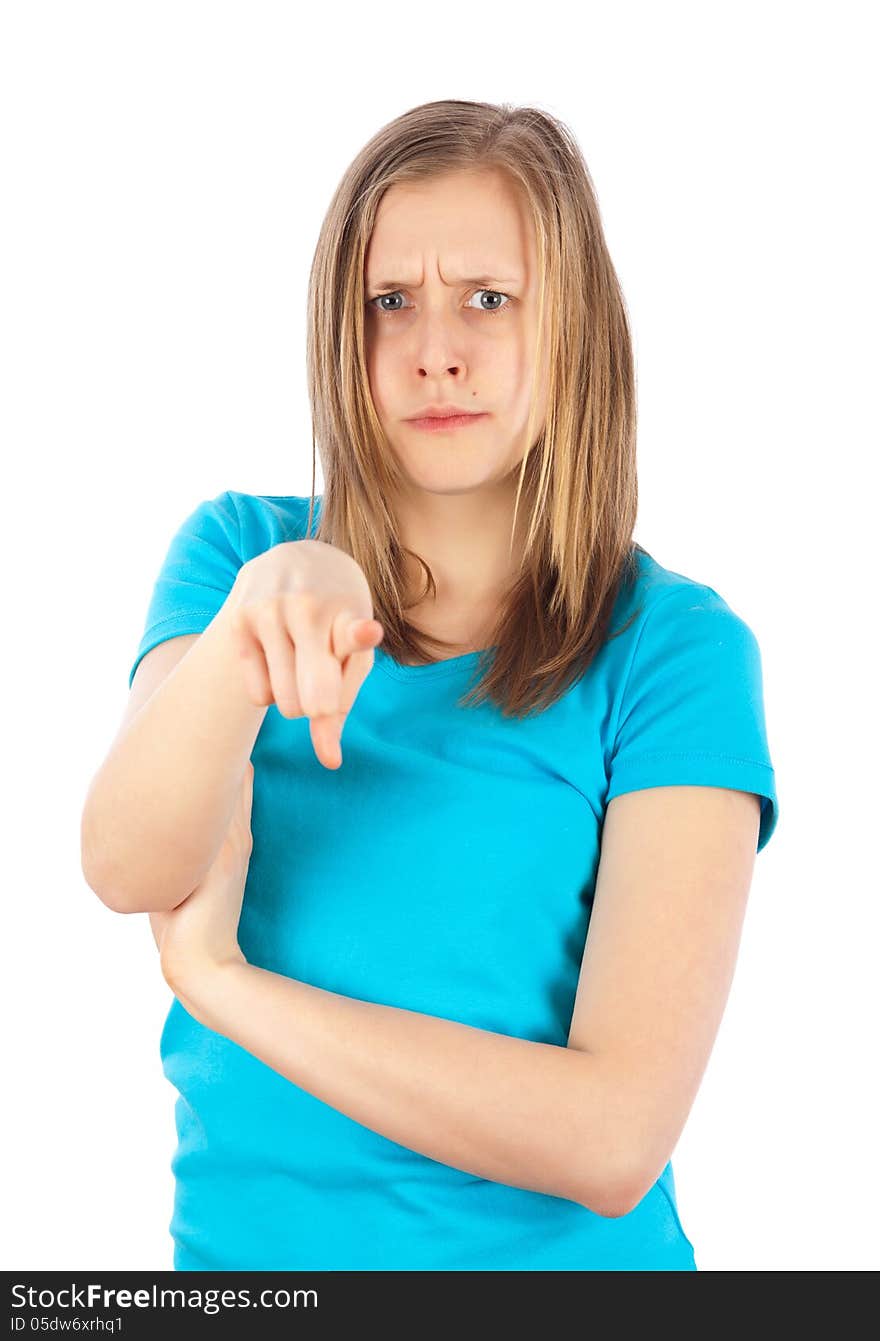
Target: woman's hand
x,y
201,933
302,618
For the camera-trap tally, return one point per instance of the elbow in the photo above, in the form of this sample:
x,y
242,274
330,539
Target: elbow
x,y
121,894
624,1179
119,900
626,1195
99,880
94,874
624,1169
93,864
107,890
114,898
613,1197
116,894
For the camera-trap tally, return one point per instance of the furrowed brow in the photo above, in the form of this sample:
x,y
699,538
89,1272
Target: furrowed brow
x,y
487,280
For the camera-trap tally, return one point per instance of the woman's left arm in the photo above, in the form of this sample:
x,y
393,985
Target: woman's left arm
x,y
594,1122
500,1107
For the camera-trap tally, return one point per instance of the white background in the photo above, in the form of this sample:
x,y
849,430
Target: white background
x,y
165,170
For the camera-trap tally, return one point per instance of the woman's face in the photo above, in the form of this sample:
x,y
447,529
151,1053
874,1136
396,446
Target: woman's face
x,y
441,253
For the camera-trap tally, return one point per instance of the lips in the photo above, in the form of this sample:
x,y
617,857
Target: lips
x,y
442,412
446,423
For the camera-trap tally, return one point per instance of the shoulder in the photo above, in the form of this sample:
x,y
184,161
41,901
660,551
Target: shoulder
x,y
685,694
684,634
652,585
265,520
658,607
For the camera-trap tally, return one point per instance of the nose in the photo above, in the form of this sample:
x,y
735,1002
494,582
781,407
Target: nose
x,y
440,340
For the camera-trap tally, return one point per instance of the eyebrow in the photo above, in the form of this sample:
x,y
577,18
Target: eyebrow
x,y
458,279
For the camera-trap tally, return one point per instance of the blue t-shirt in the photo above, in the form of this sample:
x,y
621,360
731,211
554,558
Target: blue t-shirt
x,y
447,867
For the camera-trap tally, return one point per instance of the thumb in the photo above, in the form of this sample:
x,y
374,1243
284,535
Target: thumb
x,y
353,633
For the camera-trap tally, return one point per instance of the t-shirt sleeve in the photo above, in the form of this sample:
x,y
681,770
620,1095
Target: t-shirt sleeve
x,y
692,709
196,576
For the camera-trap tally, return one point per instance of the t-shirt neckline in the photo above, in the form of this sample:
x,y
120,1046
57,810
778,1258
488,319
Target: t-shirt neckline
x,y
431,670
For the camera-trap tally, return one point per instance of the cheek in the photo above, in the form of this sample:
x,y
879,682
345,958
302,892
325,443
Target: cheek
x,y
522,385
509,364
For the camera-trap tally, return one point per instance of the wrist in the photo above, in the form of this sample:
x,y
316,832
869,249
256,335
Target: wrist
x,y
204,992
194,979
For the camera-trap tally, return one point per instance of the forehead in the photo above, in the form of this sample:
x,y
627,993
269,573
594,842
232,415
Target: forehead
x,y
470,223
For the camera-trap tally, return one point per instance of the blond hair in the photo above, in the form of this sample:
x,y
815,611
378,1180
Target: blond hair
x,y
579,476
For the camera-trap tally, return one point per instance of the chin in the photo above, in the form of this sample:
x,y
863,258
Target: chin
x,y
444,469
452,478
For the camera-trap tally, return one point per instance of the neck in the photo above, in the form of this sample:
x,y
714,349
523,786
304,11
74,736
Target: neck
x,y
464,538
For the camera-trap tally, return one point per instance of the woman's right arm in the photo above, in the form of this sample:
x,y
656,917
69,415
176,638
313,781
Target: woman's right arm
x,y
296,630
159,806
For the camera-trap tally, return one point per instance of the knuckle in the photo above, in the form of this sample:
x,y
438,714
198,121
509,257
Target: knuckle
x,y
324,692
306,604
272,613
258,689
320,704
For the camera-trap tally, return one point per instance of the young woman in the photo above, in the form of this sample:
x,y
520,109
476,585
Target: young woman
x,y
394,1042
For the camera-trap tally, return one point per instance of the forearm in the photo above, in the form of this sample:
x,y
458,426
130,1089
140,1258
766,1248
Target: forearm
x,y
532,1115
158,808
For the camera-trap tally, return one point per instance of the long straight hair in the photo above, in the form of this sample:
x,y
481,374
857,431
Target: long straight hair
x,y
578,478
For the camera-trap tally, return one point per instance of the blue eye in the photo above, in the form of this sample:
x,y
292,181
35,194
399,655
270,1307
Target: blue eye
x,y
495,294
386,312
